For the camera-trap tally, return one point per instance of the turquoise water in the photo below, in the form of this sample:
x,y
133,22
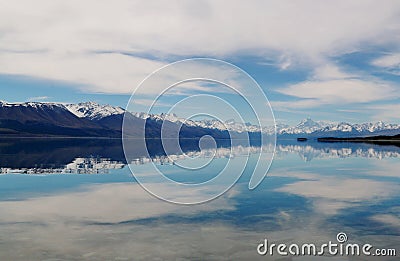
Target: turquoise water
x,y
311,193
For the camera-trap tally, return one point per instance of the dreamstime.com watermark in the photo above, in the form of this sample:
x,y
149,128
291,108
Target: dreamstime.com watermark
x,y
338,248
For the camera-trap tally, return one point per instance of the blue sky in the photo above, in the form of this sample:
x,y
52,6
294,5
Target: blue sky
x,y
329,61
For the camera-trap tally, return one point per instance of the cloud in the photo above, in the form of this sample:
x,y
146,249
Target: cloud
x,y
115,72
294,106
328,71
39,98
105,72
329,84
356,92
82,41
385,112
351,190
284,62
330,196
388,219
116,221
85,206
341,91
149,102
390,62
185,28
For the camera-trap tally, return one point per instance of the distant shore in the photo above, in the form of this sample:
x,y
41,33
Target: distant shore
x,y
381,140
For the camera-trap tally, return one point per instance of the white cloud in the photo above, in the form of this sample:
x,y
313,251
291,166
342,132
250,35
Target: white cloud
x,y
390,62
115,72
295,106
42,228
341,91
58,39
39,98
329,84
385,112
107,72
328,71
99,202
351,190
185,28
284,62
388,219
330,196
354,91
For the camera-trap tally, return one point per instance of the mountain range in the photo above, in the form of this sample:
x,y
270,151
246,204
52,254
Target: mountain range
x,y
87,119
306,127
317,129
95,120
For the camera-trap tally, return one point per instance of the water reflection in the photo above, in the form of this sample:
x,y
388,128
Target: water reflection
x,y
311,150
55,153
89,165
95,156
353,188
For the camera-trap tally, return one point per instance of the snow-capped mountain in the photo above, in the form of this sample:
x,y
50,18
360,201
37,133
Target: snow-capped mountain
x,y
306,126
312,128
93,111
90,110
363,129
36,111
378,126
230,125
33,105
43,118
90,118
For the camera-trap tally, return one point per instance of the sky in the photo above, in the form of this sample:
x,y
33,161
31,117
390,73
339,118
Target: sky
x,y
328,60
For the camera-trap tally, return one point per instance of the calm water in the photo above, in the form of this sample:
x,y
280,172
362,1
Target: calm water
x,y
77,200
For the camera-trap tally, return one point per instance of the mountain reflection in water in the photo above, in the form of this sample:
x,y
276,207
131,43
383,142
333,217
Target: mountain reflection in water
x,y
312,192
98,156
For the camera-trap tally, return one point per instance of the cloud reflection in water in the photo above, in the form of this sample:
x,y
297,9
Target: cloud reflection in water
x,y
298,202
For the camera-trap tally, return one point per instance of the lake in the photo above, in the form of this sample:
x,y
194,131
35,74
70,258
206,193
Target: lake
x,y
76,199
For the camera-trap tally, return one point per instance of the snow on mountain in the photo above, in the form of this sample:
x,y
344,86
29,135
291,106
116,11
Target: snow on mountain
x,y
89,110
378,128
230,125
343,127
93,111
306,126
323,128
164,116
374,127
35,105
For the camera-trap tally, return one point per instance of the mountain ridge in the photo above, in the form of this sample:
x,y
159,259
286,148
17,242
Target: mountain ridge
x,y
90,118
